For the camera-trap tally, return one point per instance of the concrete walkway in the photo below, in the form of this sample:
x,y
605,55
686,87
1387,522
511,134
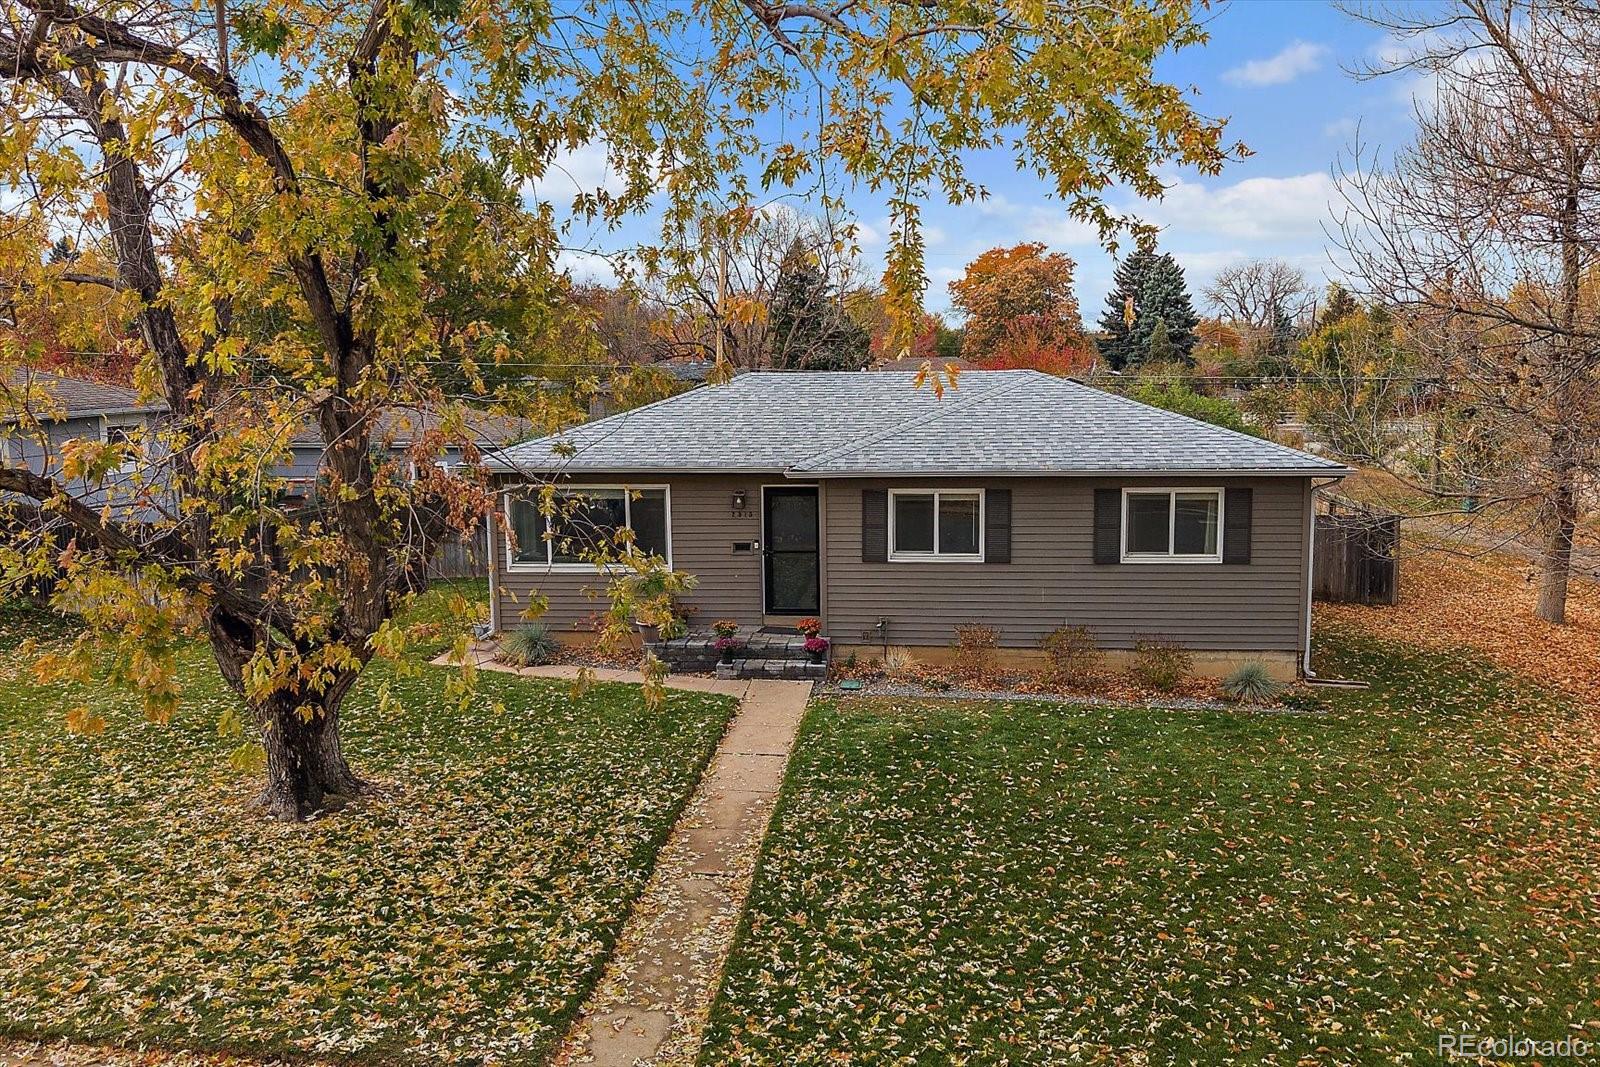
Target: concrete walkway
x,y
651,1005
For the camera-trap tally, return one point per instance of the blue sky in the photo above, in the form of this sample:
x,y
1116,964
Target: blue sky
x,y
1274,68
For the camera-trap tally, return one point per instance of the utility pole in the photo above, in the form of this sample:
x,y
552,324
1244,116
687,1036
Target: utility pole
x,y
722,288
222,37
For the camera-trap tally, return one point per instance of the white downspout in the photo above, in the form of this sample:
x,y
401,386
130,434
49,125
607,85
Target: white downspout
x,y
1311,566
494,569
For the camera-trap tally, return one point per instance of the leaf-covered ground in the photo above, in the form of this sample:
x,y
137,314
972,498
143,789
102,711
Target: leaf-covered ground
x,y
461,917
1020,883
1485,603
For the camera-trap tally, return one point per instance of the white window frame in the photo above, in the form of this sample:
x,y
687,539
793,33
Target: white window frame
x,y
1171,493
549,567
936,556
125,424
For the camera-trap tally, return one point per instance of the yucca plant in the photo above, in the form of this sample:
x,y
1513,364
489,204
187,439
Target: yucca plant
x,y
530,646
1250,683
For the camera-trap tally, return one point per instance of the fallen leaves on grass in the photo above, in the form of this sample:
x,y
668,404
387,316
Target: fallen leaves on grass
x,y
1452,603
1023,884
460,917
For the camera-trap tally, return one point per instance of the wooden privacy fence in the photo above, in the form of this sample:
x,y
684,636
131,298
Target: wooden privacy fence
x,y
1354,555
465,557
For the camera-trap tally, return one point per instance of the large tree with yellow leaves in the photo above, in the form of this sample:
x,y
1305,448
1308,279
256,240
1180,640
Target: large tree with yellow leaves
x,y
285,197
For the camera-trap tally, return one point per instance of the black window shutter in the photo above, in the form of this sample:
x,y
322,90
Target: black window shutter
x,y
874,525
1236,526
1108,526
997,526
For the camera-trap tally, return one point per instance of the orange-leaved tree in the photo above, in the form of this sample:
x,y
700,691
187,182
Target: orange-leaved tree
x,y
1019,301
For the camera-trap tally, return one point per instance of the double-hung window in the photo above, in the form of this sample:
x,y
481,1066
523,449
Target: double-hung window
x,y
1172,525
935,524
583,526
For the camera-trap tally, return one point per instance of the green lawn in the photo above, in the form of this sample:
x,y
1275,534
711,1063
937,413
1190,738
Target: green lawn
x,y
1021,883
462,917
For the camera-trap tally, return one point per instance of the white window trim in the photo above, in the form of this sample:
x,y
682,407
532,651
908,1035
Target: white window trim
x,y
1172,521
125,423
513,564
936,556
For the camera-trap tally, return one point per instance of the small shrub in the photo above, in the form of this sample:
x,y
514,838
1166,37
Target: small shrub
x,y
897,661
1160,663
974,646
1251,683
1072,652
531,646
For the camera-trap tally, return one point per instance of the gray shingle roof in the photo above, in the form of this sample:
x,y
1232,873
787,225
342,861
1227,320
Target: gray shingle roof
x,y
78,396
842,424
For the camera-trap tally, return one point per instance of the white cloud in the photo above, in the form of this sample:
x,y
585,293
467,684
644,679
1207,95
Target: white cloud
x,y
1341,129
584,169
1255,209
586,267
1296,58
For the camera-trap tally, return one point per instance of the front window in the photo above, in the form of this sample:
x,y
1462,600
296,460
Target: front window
x,y
583,526
939,524
1183,525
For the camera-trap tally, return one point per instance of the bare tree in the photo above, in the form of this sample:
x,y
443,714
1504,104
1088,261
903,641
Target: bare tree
x,y
1485,228
742,260
1260,293
1264,299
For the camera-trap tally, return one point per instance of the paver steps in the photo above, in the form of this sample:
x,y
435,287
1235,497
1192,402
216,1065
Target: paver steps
x,y
765,655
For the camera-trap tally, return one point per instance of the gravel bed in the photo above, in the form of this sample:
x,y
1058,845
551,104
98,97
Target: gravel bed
x,y
901,689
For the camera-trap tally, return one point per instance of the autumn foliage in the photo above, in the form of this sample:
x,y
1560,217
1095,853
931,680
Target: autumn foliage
x,y
1021,310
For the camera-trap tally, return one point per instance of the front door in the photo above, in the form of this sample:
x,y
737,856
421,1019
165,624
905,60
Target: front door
x,y
792,570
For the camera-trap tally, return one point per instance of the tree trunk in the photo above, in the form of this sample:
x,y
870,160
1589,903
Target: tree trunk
x,y
305,763
1556,563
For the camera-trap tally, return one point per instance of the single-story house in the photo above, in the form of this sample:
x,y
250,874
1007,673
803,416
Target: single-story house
x,y
1018,500
71,409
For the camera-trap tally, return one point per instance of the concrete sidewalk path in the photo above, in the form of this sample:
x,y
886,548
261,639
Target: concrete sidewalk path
x,y
652,1003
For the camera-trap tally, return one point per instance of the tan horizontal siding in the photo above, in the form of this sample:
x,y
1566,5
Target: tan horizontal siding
x,y
1053,579
704,528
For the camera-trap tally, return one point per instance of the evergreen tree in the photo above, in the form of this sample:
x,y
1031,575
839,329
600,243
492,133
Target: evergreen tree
x,y
1160,348
1163,298
1116,347
947,341
810,328
1340,303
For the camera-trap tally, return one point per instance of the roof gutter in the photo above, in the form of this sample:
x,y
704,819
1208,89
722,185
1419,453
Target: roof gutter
x,y
1334,473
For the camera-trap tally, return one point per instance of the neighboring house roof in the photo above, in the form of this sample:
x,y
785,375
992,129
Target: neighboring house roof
x,y
844,424
79,397
401,426
692,370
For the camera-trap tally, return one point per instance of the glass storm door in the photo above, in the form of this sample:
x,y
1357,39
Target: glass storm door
x,y
790,550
